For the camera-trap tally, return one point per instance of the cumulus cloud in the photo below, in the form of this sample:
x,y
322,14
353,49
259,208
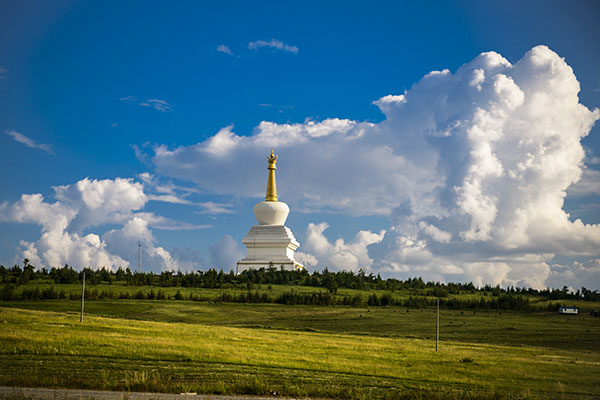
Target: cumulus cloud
x,y
19,137
576,275
508,142
225,253
57,246
307,260
273,43
100,202
338,255
436,234
588,185
87,204
471,167
136,231
318,160
386,102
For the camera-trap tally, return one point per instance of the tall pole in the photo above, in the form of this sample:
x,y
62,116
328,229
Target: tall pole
x,y
139,257
82,297
437,326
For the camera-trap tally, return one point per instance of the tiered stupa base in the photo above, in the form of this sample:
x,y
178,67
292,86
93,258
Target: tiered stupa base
x,y
269,246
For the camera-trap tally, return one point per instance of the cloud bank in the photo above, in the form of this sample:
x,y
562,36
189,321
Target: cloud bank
x,y
472,168
92,204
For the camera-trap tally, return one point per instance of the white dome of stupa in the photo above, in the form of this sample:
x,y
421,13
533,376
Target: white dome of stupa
x,y
271,212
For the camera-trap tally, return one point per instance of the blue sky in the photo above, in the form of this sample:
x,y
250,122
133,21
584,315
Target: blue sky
x,y
107,90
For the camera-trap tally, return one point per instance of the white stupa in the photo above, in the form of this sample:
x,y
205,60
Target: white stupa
x,y
270,243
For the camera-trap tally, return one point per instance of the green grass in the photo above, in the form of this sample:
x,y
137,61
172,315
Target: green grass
x,y
580,332
339,352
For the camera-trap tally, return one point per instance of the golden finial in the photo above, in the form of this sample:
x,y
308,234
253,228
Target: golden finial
x,y
271,184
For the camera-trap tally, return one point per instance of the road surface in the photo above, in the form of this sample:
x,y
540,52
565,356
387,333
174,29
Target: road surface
x,y
20,393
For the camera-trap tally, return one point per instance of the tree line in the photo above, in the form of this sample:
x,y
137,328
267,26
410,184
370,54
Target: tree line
x,y
328,280
322,298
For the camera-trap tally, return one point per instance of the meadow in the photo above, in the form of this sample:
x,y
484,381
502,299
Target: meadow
x,y
306,351
294,333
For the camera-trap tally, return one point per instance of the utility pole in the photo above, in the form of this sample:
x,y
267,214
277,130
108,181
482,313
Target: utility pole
x,y
82,297
437,326
139,257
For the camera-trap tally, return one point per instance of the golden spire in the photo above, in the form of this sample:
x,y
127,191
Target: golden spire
x,y
271,184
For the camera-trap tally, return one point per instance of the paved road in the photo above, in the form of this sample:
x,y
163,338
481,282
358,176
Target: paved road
x,y
70,394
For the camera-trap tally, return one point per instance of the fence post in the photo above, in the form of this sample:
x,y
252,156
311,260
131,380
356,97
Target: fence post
x,y
82,297
437,326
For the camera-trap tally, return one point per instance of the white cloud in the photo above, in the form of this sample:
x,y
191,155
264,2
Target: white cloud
x,y
167,224
318,160
170,193
588,185
307,260
136,231
224,49
157,104
338,255
57,246
275,106
576,275
512,151
478,77
225,253
436,234
222,142
212,208
101,202
472,168
32,208
91,204
273,43
19,137
164,192
389,100
170,198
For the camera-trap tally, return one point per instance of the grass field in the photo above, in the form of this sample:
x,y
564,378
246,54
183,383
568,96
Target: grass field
x,y
316,351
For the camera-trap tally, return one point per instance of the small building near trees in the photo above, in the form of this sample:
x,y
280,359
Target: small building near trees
x,y
568,310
